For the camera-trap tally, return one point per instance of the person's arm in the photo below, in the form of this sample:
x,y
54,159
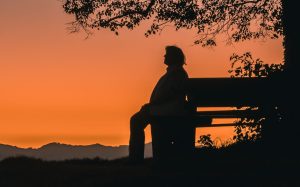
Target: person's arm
x,y
173,90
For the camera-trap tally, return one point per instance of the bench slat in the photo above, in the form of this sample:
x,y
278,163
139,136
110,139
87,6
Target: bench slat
x,y
231,114
233,92
222,125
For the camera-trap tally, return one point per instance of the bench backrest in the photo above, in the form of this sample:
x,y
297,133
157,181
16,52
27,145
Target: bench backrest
x,y
233,92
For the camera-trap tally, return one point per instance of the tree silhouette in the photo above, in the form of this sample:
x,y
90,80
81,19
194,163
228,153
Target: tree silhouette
x,y
208,17
246,66
238,20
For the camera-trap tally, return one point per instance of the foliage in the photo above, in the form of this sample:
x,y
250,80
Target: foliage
x,y
245,133
205,141
245,66
237,19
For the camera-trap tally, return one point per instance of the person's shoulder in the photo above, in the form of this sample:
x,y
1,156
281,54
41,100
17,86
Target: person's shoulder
x,y
180,73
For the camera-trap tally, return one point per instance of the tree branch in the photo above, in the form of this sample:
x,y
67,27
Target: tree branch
x,y
142,13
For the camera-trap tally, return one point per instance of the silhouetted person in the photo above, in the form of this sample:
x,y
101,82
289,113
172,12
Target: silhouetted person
x,y
168,98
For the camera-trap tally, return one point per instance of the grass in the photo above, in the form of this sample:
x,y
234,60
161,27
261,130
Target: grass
x,y
236,165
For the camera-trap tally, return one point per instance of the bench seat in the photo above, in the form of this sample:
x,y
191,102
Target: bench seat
x,y
175,135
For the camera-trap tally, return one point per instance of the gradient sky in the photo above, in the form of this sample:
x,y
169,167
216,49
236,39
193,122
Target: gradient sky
x,y
56,86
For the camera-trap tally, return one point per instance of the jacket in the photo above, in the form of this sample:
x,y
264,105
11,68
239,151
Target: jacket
x,y
169,95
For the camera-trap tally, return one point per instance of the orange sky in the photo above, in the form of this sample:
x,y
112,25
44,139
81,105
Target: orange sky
x,y
56,86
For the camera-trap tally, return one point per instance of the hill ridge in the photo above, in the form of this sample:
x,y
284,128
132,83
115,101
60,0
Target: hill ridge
x,y
62,151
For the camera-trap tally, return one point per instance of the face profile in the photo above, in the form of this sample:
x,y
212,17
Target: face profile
x,y
167,59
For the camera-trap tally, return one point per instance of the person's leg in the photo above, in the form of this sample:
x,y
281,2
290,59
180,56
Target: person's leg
x,y
138,123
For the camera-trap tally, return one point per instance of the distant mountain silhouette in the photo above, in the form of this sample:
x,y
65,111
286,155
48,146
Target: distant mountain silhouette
x,y
58,151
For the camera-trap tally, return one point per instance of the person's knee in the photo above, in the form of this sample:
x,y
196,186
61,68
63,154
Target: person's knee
x,y
133,120
137,123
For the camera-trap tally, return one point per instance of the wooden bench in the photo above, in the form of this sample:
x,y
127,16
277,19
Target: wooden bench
x,y
174,136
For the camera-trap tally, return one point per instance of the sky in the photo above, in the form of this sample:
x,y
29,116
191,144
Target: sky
x,y
61,87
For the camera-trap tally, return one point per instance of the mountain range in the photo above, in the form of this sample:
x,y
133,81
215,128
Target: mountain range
x,y
59,151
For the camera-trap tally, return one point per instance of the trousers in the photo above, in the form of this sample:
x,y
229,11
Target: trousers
x,y
138,122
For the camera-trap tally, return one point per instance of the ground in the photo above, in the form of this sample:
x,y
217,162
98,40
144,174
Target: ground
x,y
208,168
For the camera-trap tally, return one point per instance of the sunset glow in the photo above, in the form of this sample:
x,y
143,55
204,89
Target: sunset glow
x,y
60,87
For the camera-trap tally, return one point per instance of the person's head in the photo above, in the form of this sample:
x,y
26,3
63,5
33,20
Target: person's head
x,y
174,56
